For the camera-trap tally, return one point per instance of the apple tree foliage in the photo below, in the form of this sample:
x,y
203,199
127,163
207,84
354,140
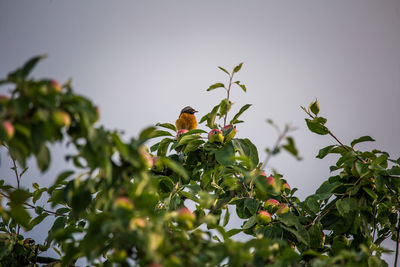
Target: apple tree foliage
x,y
169,204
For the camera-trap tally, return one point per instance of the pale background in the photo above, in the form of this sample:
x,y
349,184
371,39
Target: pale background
x,y
143,61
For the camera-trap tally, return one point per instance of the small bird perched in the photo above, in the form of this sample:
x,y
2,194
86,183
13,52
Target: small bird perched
x,y
186,119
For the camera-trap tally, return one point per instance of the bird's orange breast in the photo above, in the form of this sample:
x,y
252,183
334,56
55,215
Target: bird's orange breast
x,y
186,121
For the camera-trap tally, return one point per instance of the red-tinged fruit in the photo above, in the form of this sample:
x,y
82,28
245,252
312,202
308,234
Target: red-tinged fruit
x,y
123,203
285,186
186,215
180,132
9,129
215,135
230,132
282,209
56,86
61,118
137,223
271,181
145,157
271,202
154,264
263,217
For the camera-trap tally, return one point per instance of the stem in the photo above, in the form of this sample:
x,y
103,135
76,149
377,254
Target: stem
x,y
281,136
228,91
18,179
337,140
33,207
374,232
397,244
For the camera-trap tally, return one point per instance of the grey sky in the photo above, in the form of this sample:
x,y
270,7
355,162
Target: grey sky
x,y
142,61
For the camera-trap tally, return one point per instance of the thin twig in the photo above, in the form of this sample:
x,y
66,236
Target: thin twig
x,y
228,91
278,141
18,178
33,207
337,140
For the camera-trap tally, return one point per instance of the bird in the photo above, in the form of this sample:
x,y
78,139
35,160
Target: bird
x,y
187,119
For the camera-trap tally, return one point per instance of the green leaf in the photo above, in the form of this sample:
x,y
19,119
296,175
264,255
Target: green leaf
x,y
289,219
175,167
291,147
233,232
327,187
312,203
325,151
22,73
300,233
226,217
370,192
250,223
163,146
246,148
262,184
192,146
167,125
361,139
211,119
314,107
19,196
316,127
241,86
147,133
395,170
242,109
215,86
346,206
225,155
224,107
159,133
20,215
237,68
251,205
38,219
43,158
224,70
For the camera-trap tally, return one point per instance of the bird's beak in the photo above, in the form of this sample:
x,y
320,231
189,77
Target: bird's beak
x,y
196,111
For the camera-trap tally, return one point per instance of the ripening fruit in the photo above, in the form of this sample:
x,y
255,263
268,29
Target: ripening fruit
x,y
9,129
263,217
271,202
231,134
61,118
282,209
185,214
123,203
137,223
154,264
215,135
56,86
270,180
285,186
186,217
145,157
180,132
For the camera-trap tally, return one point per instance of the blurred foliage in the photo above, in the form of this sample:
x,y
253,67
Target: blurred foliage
x,y
125,204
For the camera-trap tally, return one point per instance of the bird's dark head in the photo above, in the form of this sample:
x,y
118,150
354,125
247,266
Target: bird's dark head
x,y
188,110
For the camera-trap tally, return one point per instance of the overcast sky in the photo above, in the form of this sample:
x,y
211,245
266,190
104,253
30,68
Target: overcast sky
x,y
143,61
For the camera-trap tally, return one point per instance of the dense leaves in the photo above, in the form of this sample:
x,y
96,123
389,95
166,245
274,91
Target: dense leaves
x,y
127,204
